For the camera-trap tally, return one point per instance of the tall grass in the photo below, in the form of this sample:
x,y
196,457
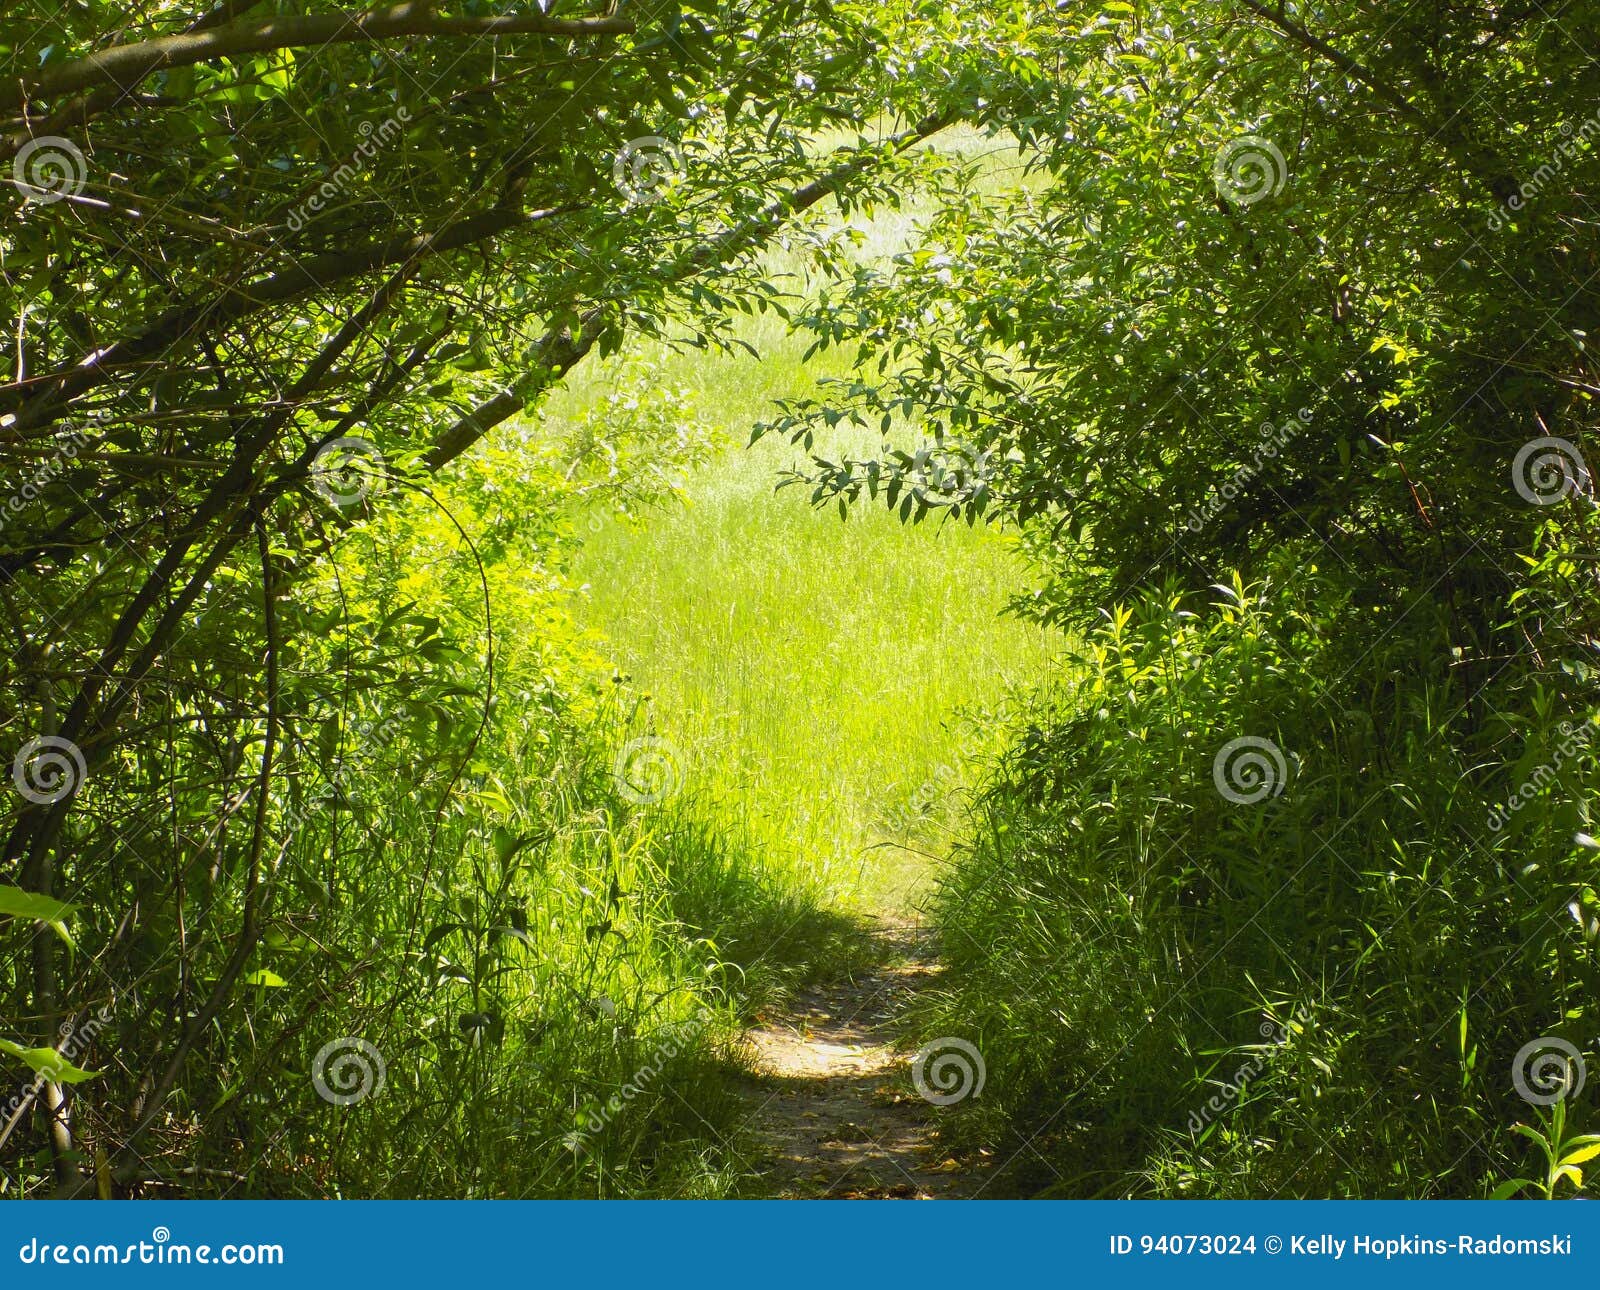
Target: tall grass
x,y
1326,986
580,959
828,682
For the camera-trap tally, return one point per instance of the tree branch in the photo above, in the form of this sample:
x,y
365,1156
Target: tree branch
x,y
35,399
1484,163
560,350
124,66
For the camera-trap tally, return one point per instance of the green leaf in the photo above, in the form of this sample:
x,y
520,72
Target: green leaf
x,y
30,904
35,907
47,1062
263,976
1533,1135
1582,1155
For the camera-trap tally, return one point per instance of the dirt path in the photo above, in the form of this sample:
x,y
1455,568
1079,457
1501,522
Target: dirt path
x,y
834,1108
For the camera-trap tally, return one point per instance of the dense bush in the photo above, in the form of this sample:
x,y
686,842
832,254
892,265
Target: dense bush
x,y
461,892
1312,975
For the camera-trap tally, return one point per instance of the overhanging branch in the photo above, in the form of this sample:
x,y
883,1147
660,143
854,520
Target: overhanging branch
x,y
34,401
561,350
124,66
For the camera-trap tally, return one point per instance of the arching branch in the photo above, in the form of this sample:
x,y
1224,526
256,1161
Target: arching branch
x,y
560,350
124,66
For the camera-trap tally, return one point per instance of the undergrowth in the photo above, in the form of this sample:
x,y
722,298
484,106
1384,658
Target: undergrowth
x,y
1321,985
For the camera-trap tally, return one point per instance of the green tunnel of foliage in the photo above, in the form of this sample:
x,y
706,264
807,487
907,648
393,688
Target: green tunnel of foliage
x,y
1295,304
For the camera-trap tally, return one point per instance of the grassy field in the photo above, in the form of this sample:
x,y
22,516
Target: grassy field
x,y
826,682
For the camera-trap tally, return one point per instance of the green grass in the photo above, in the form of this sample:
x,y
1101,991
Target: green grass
x,y
826,682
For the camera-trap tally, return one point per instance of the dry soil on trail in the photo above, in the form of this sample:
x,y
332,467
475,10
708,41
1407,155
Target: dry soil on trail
x,y
833,1108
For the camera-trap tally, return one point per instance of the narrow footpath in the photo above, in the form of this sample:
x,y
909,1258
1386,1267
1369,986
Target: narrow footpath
x,y
833,1105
